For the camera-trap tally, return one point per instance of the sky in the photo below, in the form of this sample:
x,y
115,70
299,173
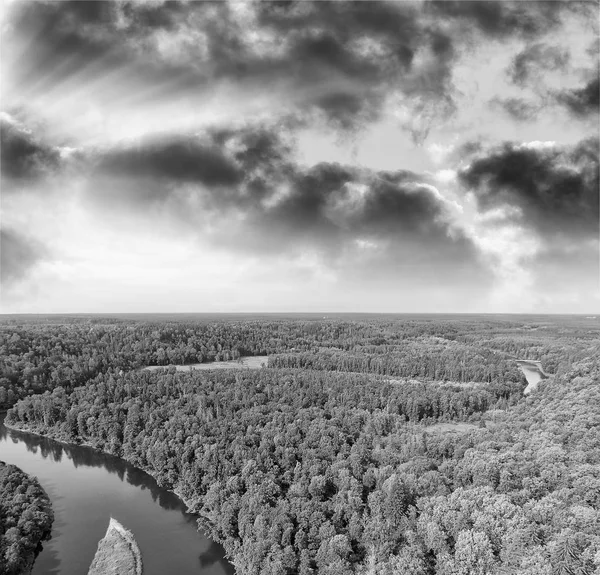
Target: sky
x,y
299,156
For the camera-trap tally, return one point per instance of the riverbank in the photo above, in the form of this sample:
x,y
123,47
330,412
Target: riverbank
x,y
118,553
202,522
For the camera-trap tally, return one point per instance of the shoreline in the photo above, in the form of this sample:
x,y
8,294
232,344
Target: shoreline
x,y
206,527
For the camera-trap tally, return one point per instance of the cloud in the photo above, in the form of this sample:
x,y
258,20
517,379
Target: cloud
x,y
581,102
241,191
267,204
531,62
519,109
336,57
218,169
91,30
329,205
498,19
23,156
333,62
18,254
545,68
183,159
183,119
555,188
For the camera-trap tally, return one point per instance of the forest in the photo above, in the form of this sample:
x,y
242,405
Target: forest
x,y
25,519
372,447
37,356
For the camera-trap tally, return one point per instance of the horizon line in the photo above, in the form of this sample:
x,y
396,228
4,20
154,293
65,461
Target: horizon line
x,y
325,313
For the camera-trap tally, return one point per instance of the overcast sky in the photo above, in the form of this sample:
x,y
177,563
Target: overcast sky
x,y
299,156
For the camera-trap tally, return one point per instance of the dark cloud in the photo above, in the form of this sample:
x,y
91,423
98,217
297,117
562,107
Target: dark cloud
x,y
367,225
502,18
273,206
95,26
141,17
338,59
336,201
88,38
370,48
341,58
528,69
185,159
23,157
555,187
18,254
218,169
256,147
83,37
583,101
322,32
535,59
66,37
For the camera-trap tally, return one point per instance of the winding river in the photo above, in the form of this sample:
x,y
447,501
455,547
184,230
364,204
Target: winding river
x,y
87,487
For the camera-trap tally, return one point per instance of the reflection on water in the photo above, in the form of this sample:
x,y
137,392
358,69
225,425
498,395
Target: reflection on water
x,y
212,556
86,488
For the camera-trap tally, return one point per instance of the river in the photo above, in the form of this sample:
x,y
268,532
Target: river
x,y
86,488
533,373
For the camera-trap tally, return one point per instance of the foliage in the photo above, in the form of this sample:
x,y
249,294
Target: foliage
x,y
337,459
25,519
67,352
330,473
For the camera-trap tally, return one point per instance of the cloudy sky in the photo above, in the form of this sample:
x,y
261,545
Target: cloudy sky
x,y
299,156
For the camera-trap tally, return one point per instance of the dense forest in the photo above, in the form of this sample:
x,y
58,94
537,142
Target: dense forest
x,y
67,352
25,519
327,465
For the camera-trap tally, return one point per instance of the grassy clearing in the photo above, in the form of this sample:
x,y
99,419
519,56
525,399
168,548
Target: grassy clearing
x,y
451,427
252,362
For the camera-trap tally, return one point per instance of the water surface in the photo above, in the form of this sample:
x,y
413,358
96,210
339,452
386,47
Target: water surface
x,y
533,372
86,488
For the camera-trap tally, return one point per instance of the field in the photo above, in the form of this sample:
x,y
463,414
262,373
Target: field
x,y
243,363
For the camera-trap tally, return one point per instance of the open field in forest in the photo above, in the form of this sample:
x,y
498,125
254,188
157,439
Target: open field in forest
x,y
252,362
451,427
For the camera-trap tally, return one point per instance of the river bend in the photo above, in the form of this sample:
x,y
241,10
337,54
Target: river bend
x,y
86,488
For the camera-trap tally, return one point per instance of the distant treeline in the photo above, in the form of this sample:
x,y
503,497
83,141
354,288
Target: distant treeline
x,y
313,472
38,357
25,519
